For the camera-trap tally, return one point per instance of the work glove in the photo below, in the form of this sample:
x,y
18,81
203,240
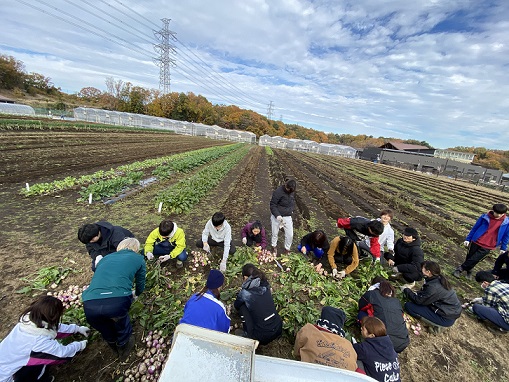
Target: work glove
x,y
466,243
502,251
222,266
244,240
97,259
150,256
164,258
395,269
476,300
134,295
334,272
304,250
341,274
84,330
83,344
279,219
206,247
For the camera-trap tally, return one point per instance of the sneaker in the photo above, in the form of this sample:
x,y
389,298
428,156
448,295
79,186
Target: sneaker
x,y
179,264
494,329
469,275
457,272
124,350
113,347
287,251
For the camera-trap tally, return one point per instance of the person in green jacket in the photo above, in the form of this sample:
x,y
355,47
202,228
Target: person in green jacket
x,y
167,242
109,296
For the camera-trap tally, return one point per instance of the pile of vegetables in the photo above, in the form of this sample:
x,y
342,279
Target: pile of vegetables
x,y
200,259
264,256
71,297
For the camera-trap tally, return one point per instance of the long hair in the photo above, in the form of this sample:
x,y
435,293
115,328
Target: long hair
x,y
318,238
345,246
47,309
250,270
386,289
434,268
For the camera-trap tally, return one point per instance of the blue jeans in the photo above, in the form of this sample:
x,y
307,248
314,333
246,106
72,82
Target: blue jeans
x,y
491,314
426,312
110,317
317,252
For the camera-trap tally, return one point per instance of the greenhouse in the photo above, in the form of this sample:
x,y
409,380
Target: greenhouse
x,y
16,109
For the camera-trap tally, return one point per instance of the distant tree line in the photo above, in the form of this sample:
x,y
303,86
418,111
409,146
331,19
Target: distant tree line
x,y
126,97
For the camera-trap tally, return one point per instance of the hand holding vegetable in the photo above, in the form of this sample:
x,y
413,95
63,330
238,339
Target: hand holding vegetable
x,y
206,247
244,240
222,266
164,258
150,256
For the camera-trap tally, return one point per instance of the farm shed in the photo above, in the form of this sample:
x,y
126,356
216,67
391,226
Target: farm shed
x,y
408,147
16,109
455,155
338,150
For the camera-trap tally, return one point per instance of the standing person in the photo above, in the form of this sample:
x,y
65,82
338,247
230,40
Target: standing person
x,y
360,229
108,298
314,243
386,238
376,353
494,305
499,271
436,303
343,251
32,344
281,209
204,309
218,233
167,242
407,258
101,239
255,304
380,301
254,234
324,342
491,230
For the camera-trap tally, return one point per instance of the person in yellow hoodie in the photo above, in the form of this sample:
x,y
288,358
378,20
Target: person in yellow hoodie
x,y
166,242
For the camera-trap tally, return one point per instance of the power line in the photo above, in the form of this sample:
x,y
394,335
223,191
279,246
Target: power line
x,y
163,61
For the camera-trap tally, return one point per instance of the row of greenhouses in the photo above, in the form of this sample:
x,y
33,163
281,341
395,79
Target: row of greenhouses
x,y
307,146
146,121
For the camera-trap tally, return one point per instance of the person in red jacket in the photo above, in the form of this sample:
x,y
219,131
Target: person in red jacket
x,y
360,228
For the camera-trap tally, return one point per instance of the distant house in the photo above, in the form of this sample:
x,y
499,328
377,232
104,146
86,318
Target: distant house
x,y
407,147
6,100
455,155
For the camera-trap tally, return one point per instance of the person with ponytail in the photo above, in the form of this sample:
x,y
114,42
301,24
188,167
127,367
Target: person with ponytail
x,y
436,302
255,304
204,309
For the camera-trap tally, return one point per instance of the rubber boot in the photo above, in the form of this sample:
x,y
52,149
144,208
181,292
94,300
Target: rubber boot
x,y
124,350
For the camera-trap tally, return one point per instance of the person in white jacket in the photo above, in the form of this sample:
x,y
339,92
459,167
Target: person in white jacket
x,y
386,239
32,344
217,233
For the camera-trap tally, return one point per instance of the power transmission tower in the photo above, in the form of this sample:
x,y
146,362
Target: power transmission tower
x,y
164,48
269,111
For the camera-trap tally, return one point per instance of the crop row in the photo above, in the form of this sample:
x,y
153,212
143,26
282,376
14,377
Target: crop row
x,y
48,188
182,196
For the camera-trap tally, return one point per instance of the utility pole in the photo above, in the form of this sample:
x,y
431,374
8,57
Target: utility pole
x,y
164,48
269,110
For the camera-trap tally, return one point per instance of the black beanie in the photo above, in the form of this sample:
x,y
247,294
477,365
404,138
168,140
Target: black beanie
x,y
409,231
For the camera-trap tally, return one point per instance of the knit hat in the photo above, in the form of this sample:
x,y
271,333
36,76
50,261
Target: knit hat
x,y
409,231
330,327
215,279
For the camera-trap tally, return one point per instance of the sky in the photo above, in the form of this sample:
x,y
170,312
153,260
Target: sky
x,y
430,70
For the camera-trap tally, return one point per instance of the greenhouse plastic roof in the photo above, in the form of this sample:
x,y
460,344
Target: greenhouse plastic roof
x,y
14,108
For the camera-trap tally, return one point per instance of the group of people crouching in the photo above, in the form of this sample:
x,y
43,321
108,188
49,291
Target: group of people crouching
x,y
117,265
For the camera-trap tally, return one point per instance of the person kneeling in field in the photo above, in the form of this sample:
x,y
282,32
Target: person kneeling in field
x,y
254,234
217,233
101,239
255,304
32,344
328,330
376,352
314,243
167,242
362,230
343,251
204,309
109,297
494,305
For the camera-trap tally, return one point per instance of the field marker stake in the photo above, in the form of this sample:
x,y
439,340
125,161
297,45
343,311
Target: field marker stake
x,y
28,187
90,198
160,207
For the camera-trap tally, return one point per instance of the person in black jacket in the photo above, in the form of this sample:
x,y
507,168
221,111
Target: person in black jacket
x,y
281,209
436,302
254,302
360,229
101,239
380,301
314,243
407,258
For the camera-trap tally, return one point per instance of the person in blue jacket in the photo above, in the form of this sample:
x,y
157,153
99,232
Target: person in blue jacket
x,y
491,230
314,243
204,308
109,296
378,357
255,304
